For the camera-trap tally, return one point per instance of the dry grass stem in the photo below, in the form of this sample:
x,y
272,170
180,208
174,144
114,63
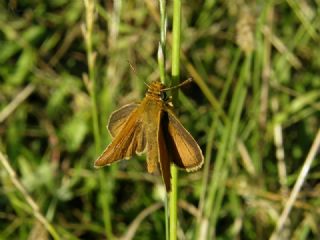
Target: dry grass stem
x,y
297,187
20,98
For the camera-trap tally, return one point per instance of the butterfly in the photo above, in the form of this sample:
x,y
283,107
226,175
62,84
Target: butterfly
x,y
152,127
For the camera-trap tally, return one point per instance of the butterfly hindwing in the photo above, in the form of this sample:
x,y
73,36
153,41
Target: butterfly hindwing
x,y
186,153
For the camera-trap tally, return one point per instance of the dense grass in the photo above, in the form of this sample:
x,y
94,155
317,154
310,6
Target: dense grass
x,y
254,108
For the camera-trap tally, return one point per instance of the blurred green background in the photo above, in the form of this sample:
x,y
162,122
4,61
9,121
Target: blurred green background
x,y
253,108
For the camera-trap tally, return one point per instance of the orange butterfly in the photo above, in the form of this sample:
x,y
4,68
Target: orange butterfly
x,y
152,127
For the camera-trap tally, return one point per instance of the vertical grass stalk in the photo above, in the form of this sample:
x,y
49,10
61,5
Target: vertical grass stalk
x,y
223,160
91,57
211,136
164,80
162,44
175,72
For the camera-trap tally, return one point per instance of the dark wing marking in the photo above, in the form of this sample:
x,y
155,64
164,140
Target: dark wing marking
x,y
164,158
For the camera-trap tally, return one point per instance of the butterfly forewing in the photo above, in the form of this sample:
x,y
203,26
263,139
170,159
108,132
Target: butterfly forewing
x,y
119,118
126,142
185,151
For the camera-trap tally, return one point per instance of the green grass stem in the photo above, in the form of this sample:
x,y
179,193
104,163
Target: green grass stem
x,y
164,80
175,72
91,58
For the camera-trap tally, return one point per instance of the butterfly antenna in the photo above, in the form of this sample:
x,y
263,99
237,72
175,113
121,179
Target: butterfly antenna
x,y
135,72
189,80
146,84
132,67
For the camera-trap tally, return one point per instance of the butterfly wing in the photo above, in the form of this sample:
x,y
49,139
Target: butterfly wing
x,y
186,153
141,141
118,118
130,139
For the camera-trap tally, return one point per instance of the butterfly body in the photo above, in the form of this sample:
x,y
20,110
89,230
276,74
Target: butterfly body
x,y
151,127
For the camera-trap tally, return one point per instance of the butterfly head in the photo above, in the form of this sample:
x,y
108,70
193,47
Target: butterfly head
x,y
155,89
158,90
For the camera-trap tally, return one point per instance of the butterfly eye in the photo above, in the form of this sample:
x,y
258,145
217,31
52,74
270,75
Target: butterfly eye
x,y
164,96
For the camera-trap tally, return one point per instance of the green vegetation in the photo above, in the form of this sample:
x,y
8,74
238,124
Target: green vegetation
x,y
254,108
